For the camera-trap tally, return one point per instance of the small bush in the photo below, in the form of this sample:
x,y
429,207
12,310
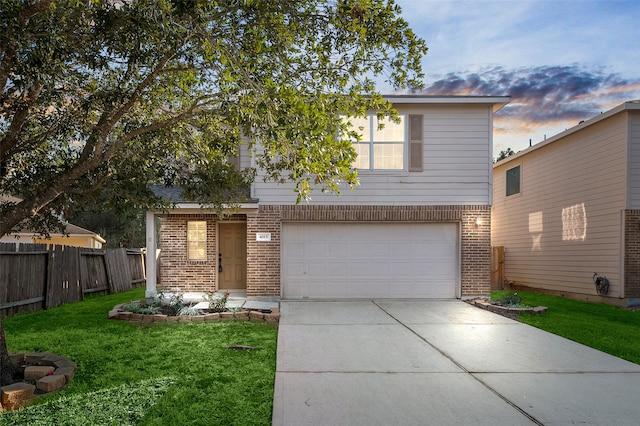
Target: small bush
x,y
216,303
511,299
189,310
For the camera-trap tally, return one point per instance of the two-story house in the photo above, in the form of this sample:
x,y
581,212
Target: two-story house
x,y
569,207
417,226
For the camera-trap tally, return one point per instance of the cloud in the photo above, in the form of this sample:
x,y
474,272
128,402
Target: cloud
x,y
544,99
545,94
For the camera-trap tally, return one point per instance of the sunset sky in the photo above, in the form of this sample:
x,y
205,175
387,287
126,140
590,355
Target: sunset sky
x,y
561,61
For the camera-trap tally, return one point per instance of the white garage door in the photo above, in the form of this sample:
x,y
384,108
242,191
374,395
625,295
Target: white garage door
x,y
369,260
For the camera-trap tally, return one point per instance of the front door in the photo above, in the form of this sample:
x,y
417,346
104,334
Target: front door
x,y
232,256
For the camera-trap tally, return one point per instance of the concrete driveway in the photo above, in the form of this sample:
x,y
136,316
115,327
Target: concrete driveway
x,y
396,362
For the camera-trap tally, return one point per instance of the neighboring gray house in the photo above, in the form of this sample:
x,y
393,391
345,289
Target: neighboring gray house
x,y
417,226
569,207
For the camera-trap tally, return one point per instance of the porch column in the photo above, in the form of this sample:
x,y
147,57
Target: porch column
x,y
151,255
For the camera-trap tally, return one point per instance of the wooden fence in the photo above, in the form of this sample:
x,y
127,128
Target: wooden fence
x,y
497,268
35,277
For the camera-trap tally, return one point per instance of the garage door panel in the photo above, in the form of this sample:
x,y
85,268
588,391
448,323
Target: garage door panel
x,y
363,260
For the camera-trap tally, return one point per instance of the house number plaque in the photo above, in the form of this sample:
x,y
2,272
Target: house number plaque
x,y
263,236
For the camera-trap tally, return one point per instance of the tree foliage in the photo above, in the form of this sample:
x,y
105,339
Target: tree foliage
x,y
120,94
504,154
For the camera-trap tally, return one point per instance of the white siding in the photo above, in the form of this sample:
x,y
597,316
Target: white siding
x,y
457,165
634,160
571,188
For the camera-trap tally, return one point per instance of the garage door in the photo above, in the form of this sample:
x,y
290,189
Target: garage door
x,y
366,260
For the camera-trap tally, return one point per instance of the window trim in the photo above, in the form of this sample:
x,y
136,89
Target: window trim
x,y
371,143
506,175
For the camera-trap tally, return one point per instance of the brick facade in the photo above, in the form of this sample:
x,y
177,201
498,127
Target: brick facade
x,y
632,254
263,258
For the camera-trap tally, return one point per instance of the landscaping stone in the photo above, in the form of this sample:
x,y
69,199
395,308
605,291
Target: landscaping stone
x,y
51,383
211,317
17,358
36,372
63,363
35,358
126,316
15,396
241,316
272,318
226,316
67,372
51,359
256,316
506,310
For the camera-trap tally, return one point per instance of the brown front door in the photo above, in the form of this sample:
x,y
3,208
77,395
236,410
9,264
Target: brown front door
x,y
232,256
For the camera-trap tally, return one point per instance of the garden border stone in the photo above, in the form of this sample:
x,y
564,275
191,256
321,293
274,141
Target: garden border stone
x,y
273,317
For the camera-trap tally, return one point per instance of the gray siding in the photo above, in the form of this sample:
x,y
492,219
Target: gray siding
x,y
456,159
634,160
565,223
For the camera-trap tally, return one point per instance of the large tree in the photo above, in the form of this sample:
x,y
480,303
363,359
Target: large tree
x,y
119,94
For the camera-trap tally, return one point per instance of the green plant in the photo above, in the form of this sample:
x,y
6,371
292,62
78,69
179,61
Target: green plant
x,y
511,299
216,303
189,311
141,308
176,302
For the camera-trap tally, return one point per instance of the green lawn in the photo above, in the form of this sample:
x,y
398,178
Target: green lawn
x,y
171,374
607,328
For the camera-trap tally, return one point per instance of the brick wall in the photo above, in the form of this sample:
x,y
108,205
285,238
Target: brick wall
x,y
176,271
632,254
263,257
475,238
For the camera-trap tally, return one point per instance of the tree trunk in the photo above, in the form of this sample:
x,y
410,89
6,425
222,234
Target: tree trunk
x,y
7,369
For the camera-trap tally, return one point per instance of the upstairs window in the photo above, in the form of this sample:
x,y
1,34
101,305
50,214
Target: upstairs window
x,y
380,149
197,240
513,181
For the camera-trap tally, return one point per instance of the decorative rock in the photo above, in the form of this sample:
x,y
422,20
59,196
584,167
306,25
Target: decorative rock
x,y
211,317
64,362
226,316
17,359
256,316
36,357
126,316
241,316
67,372
14,396
51,359
51,383
272,318
37,371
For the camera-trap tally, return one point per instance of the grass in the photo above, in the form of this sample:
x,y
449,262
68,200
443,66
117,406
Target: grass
x,y
610,329
152,374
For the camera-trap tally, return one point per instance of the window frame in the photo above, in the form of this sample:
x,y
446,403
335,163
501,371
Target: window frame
x,y
507,180
371,143
191,253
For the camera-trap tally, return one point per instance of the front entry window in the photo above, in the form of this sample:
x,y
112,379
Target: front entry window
x,y
197,240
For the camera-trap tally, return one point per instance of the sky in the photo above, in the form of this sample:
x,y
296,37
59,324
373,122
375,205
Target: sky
x,y
561,61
